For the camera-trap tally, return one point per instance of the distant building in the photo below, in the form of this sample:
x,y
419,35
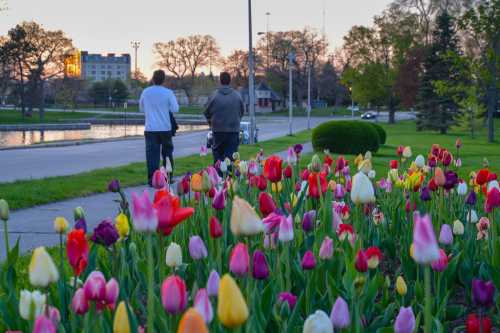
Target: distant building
x,y
96,67
266,99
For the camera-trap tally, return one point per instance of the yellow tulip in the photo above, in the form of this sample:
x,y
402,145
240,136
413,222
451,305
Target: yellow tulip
x,y
401,287
197,182
244,219
42,270
232,309
407,152
358,160
60,225
192,322
122,225
293,199
411,250
276,187
121,323
365,166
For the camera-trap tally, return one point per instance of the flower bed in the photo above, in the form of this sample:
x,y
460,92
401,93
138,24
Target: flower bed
x,y
265,246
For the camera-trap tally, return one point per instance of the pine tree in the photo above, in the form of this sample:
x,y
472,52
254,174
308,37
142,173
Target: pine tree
x,y
438,112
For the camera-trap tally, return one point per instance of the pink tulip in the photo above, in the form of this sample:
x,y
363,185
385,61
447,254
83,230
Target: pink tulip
x,y
213,176
272,222
174,294
446,235
203,306
143,213
54,315
213,283
79,303
340,314
326,249
308,261
159,179
219,202
197,249
440,264
112,292
270,240
95,286
287,297
44,325
425,248
285,233
239,260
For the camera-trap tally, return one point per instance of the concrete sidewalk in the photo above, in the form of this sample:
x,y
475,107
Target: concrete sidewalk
x,y
34,225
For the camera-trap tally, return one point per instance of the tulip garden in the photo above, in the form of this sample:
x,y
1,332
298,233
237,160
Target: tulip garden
x,y
275,245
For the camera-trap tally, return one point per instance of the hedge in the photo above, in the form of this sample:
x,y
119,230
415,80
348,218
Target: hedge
x,y
382,135
346,137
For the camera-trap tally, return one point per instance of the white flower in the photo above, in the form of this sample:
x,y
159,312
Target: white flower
x,y
31,304
173,257
42,270
362,189
372,174
420,161
472,217
462,188
458,228
492,184
407,152
318,322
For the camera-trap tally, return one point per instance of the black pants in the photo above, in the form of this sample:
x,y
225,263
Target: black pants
x,y
156,143
225,144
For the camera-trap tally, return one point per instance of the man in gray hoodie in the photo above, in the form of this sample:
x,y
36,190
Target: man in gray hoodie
x,y
223,112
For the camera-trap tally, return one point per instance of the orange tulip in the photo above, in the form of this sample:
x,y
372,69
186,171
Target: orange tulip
x,y
192,322
197,182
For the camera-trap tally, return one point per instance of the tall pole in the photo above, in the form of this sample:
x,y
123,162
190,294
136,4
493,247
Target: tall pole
x,y
135,46
352,103
308,96
251,90
267,40
291,59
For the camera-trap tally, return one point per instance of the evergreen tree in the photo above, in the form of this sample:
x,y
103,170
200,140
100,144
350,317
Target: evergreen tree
x,y
438,112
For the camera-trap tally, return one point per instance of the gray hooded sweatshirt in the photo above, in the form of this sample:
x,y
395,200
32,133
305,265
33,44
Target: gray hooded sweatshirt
x,y
224,110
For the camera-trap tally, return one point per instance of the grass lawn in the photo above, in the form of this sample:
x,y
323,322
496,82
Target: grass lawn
x,y
15,117
29,193
301,112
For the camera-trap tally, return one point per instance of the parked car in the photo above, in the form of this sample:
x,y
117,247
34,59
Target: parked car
x,y
368,115
244,135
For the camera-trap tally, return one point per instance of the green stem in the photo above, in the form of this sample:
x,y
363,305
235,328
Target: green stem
x,y
150,304
63,279
428,300
6,236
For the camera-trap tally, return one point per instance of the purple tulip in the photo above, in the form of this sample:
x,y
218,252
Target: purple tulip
x,y
308,220
483,292
446,235
260,268
471,198
81,224
451,180
105,233
219,201
298,148
287,297
340,314
326,249
405,321
197,249
308,261
114,186
285,233
213,283
425,195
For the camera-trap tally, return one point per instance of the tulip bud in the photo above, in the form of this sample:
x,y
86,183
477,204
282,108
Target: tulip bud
x,y
60,225
42,270
192,321
483,292
405,321
462,189
407,152
114,186
244,219
401,287
362,191
203,306
473,324
44,325
424,240
458,228
78,213
95,287
441,263
260,268
121,324
239,260
340,316
308,261
315,163
213,283
215,227
31,304
4,210
197,249
373,256
232,309
79,303
112,292
122,225
266,203
174,294
420,161
361,263
288,298
173,256
285,233
318,322
472,216
446,235
439,177
326,249
308,220
159,180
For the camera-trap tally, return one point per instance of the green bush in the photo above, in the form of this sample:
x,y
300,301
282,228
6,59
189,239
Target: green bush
x,y
382,135
346,137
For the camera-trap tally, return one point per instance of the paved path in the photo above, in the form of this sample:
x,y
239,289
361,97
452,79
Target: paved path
x,y
35,163
34,225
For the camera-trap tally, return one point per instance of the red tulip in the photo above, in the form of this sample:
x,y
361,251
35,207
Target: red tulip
x,y
473,324
432,185
399,150
313,184
341,163
328,160
169,212
305,174
239,261
272,169
374,256
482,176
215,227
361,262
174,295
261,183
288,171
492,176
393,164
77,250
492,200
266,203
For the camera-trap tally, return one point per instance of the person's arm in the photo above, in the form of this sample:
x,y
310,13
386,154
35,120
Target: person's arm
x,y
208,109
141,103
174,106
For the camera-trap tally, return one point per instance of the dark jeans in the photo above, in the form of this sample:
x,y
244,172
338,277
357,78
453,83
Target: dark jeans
x,y
156,143
225,144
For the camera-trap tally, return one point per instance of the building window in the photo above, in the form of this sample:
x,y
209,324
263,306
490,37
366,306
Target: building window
x,y
103,72
93,72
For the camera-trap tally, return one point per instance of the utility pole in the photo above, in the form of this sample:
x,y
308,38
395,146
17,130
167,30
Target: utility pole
x,y
308,96
251,90
291,60
135,45
267,40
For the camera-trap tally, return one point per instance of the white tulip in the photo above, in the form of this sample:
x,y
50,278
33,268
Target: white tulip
x,y
318,322
420,161
458,228
372,174
462,188
173,257
31,304
362,191
472,217
492,184
42,270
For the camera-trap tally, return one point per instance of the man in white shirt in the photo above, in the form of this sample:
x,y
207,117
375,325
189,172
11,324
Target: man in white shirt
x,y
157,103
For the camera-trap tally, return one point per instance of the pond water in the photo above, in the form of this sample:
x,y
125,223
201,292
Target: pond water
x,y
26,138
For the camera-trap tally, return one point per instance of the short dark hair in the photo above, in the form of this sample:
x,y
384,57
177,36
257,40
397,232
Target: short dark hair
x,y
225,78
158,77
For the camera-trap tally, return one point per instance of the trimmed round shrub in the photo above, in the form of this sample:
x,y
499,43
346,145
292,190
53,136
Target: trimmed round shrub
x,y
382,135
346,137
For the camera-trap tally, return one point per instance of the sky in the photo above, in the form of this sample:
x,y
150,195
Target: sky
x,y
108,26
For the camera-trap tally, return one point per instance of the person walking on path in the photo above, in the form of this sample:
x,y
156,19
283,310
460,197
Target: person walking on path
x,y
158,103
223,112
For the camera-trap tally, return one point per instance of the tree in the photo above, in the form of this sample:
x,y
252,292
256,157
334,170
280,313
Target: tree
x,y
328,79
99,93
483,22
119,91
68,89
236,64
184,57
437,112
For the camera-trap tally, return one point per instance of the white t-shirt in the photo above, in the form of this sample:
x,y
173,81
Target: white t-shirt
x,y
156,102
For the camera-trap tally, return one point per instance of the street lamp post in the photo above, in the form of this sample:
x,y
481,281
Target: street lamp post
x,y
251,90
135,45
308,96
291,60
352,103
267,40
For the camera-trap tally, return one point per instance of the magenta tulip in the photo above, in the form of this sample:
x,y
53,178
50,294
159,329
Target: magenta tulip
x,y
95,286
260,268
308,220
308,261
79,303
272,222
44,325
143,213
112,292
287,297
173,294
483,292
239,261
159,180
440,264
425,249
219,202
